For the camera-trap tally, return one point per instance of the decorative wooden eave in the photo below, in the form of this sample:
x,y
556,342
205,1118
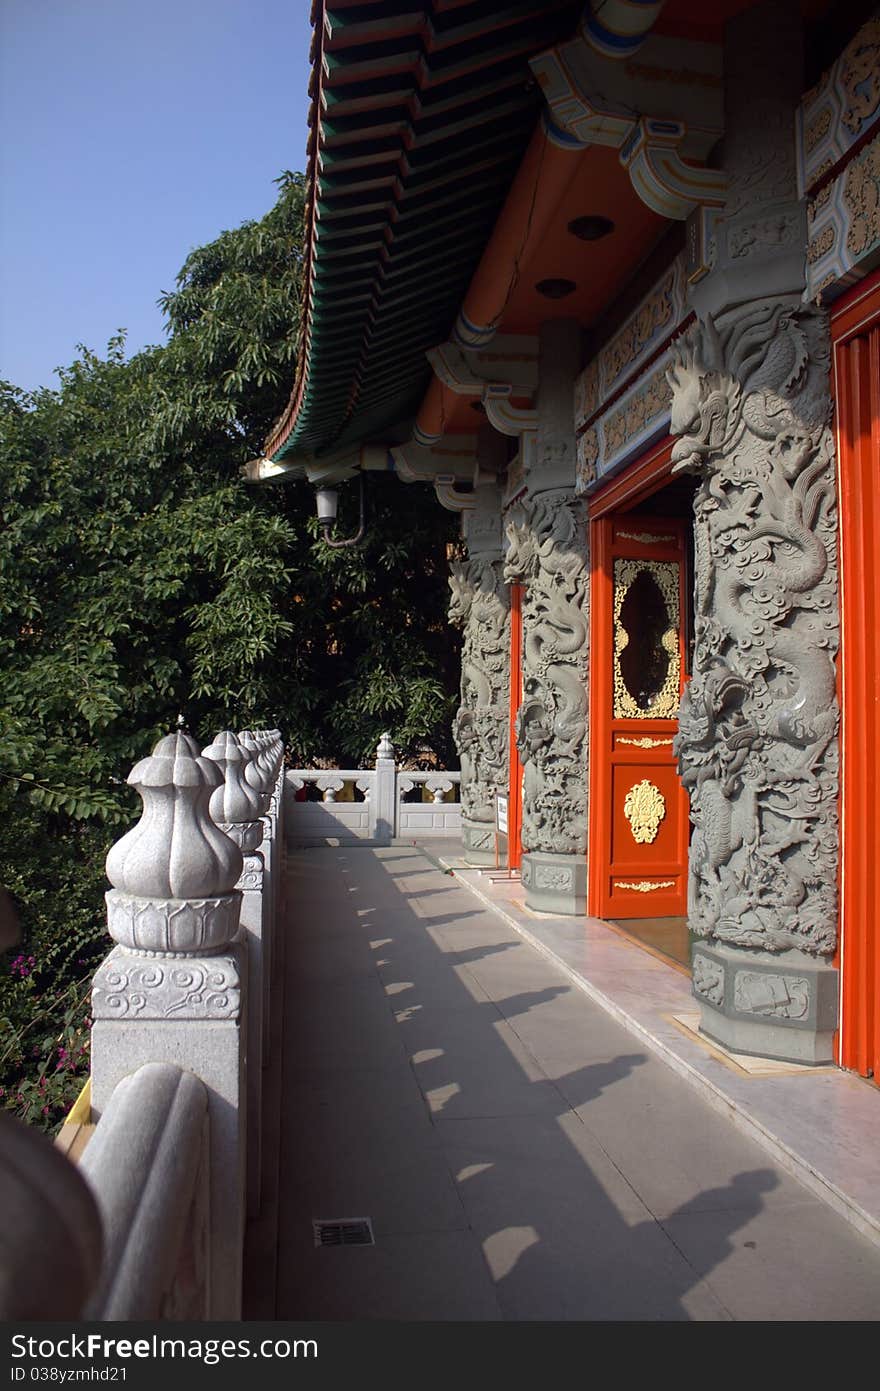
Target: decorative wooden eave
x,y
418,122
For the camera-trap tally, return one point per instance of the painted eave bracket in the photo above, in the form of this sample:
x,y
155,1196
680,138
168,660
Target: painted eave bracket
x,y
594,100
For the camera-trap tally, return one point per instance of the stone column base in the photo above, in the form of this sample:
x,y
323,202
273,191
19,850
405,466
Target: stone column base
x,y
479,842
555,883
782,1007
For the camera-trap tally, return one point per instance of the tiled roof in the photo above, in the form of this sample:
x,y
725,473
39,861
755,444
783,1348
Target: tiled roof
x,y
421,112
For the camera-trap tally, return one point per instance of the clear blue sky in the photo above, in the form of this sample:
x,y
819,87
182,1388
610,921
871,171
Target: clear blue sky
x,y
132,132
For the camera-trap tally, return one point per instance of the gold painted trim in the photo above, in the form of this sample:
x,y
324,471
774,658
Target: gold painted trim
x,y
644,886
665,574
644,809
80,1112
645,743
648,538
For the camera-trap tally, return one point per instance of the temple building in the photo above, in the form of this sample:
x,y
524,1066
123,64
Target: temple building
x,y
607,278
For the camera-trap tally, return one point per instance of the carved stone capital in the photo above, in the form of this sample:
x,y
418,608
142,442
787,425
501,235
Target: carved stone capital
x,y
247,834
129,985
172,926
176,850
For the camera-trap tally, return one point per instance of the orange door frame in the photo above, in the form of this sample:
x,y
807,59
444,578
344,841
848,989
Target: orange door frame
x,y
627,753
514,808
855,328
623,493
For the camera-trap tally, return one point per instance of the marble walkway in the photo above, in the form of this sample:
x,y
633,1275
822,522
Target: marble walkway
x,y
524,1148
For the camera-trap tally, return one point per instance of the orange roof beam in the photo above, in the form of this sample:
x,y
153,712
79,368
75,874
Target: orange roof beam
x,y
535,194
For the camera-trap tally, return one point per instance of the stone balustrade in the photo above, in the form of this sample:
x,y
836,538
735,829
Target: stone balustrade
x,y
151,1224
369,804
180,1007
187,985
437,817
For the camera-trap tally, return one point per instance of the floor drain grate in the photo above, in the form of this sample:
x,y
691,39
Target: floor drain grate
x,y
344,1231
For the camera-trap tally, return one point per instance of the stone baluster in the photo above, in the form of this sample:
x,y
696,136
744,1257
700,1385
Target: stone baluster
x,y
438,788
260,776
329,786
174,988
383,812
236,807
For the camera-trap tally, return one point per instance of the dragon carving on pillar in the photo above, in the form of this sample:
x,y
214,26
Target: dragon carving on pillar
x,y
757,740
547,550
479,605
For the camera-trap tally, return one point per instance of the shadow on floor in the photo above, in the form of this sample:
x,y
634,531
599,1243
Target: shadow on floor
x,y
408,1097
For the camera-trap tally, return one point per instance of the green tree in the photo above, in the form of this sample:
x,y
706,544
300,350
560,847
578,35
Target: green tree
x,y
141,577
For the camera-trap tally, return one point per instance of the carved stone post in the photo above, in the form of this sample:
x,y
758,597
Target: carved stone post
x,y
273,852
548,553
481,606
259,865
237,807
757,743
174,989
382,802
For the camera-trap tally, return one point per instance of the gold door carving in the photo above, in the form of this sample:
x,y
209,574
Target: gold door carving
x,y
644,809
659,579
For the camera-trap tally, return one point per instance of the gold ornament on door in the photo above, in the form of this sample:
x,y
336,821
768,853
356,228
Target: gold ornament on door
x,y
644,809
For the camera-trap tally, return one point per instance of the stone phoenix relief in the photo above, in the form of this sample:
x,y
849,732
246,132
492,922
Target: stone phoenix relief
x,y
480,606
757,743
548,551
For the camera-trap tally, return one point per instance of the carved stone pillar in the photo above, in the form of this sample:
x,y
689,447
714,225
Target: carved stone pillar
x,y
548,554
480,605
757,743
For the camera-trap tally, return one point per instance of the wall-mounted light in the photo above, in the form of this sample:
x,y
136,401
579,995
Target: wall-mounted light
x,y
327,503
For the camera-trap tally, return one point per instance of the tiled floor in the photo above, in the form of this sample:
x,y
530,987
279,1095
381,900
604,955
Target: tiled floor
x,y
522,1154
668,936
820,1124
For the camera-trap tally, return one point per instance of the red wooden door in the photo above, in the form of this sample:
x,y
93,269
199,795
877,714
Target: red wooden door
x,y
638,808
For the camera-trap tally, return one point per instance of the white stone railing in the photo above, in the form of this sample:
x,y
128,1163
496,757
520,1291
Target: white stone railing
x,y
435,818
151,1225
180,1016
155,1217
382,815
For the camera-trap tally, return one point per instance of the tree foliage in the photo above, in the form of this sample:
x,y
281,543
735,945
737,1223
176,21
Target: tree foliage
x,y
141,577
